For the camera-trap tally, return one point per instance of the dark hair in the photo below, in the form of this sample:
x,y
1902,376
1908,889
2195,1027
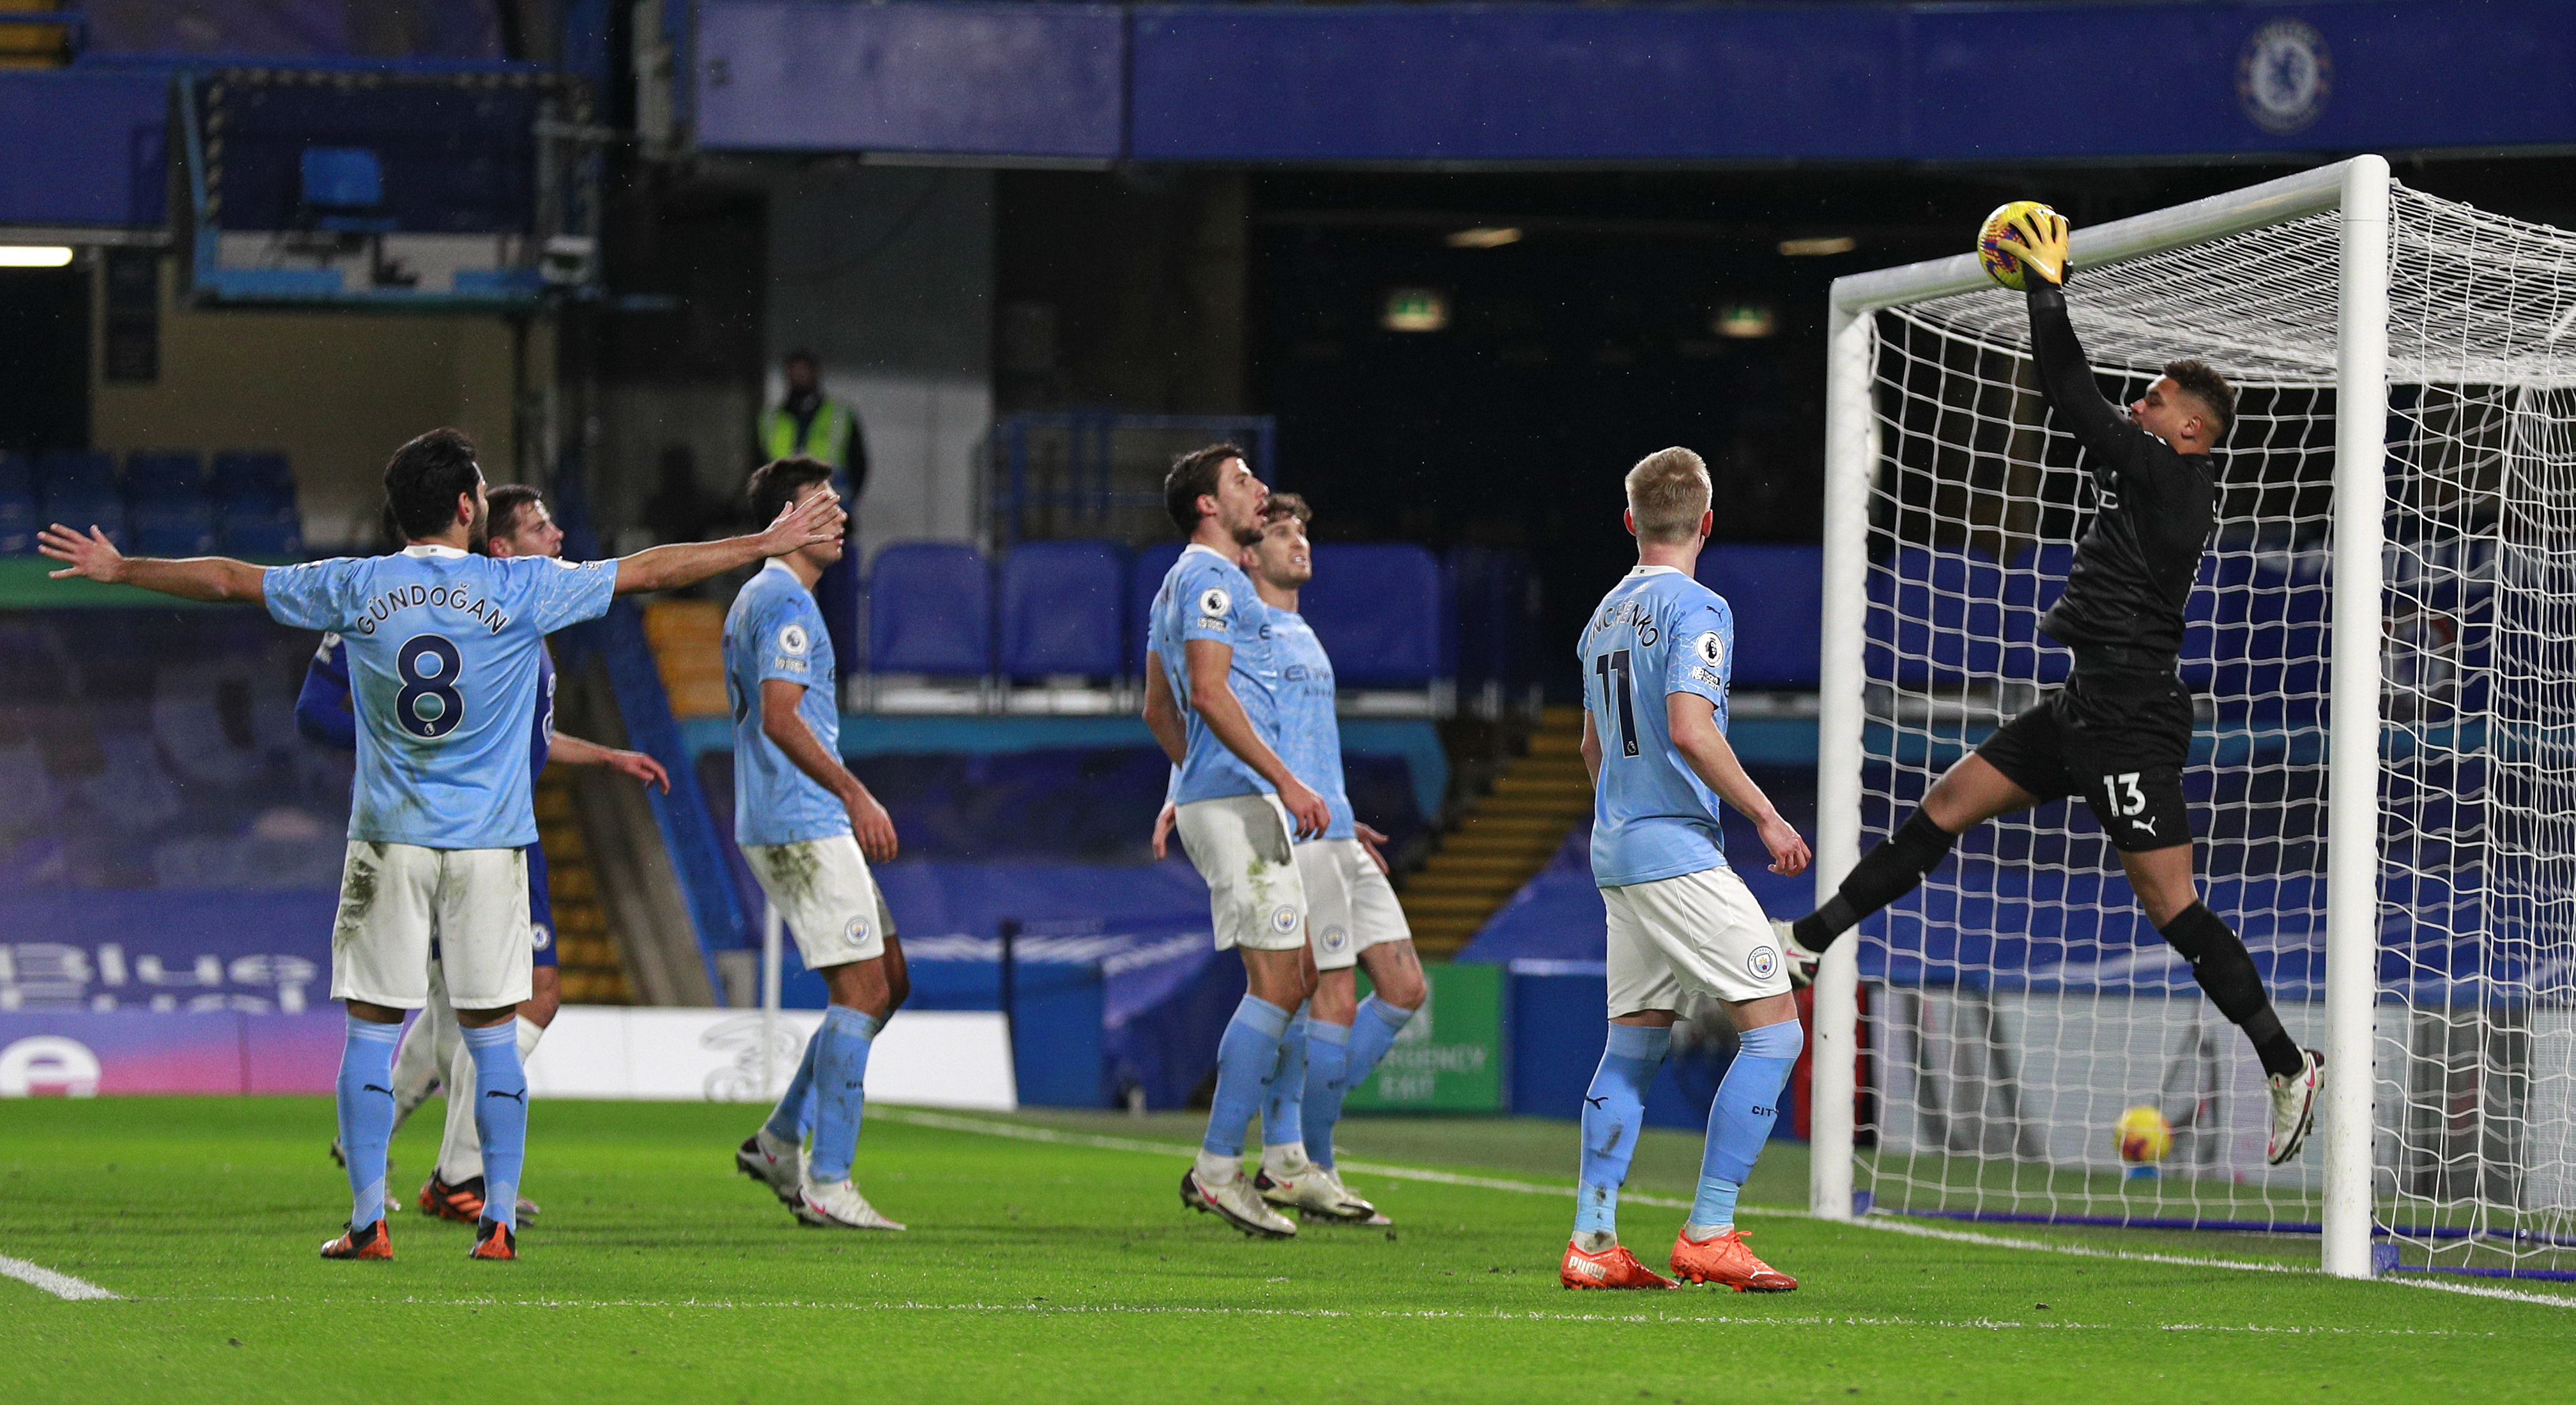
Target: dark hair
x,y
424,480
775,484
1287,505
800,354
1193,476
2210,388
502,506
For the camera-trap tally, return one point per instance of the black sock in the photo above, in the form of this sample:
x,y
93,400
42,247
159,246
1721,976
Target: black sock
x,y
2226,973
1888,872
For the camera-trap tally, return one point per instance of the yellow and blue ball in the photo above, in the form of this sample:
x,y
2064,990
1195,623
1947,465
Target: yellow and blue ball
x,y
1999,264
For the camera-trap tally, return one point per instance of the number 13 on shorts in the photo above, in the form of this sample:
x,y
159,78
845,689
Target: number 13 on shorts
x,y
2133,802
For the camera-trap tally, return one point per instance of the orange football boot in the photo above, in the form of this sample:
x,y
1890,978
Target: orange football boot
x,y
461,1202
493,1240
1613,1267
369,1243
1726,1260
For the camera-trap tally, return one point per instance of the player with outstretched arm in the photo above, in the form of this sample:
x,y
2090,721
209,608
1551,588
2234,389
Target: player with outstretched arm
x,y
432,1052
1211,701
809,830
1657,655
443,648
1352,917
2119,731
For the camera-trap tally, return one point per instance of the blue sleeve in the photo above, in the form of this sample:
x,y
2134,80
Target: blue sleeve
x,y
1207,600
323,712
780,632
315,595
1701,656
555,593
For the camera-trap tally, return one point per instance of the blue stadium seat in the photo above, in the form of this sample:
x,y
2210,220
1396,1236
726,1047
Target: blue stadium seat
x,y
1063,609
74,472
1145,577
81,508
344,189
2032,583
17,473
18,522
1900,616
259,533
253,476
173,527
930,610
1496,633
1378,608
1777,594
161,476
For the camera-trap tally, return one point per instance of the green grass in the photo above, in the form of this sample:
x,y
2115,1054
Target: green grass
x,y
1046,1272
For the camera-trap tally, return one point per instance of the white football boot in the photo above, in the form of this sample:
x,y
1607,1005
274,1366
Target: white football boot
x,y
1236,1202
2294,1105
1356,1210
838,1205
774,1162
1802,962
1309,1189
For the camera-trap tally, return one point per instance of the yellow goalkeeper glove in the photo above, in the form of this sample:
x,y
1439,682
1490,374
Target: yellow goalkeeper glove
x,y
2042,246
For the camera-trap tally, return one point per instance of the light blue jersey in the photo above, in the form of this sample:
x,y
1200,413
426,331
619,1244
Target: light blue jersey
x,y
1207,596
775,630
1656,634
1310,735
445,650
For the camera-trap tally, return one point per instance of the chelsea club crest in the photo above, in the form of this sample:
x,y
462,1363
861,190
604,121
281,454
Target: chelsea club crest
x,y
2284,75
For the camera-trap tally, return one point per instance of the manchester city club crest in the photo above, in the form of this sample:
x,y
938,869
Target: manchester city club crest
x,y
1763,962
1283,919
1335,938
2284,75
858,929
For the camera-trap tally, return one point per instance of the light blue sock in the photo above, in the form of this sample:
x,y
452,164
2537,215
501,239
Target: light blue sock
x,y
1328,1062
1245,1059
1613,1110
500,1116
1740,1118
1373,1033
790,1118
840,1089
1282,1113
366,1097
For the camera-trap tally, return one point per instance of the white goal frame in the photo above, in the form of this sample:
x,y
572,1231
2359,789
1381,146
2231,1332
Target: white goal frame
x,y
2360,188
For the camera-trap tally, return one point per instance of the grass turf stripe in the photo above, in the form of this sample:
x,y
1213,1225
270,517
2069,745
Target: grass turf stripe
x,y
61,1285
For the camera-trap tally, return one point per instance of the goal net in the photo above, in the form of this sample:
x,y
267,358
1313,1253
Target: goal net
x,y
2013,1008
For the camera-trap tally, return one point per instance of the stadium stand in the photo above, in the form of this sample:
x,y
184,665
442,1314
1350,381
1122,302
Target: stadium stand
x,y
168,504
1064,626
255,511
930,617
1144,578
17,505
1777,594
78,487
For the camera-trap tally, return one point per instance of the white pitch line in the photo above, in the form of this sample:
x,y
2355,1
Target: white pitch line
x,y
61,1285
1875,1222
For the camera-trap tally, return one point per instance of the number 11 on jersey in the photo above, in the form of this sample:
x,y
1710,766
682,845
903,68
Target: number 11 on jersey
x,y
1614,670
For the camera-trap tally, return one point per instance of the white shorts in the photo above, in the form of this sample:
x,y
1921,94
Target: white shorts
x,y
395,897
1350,906
1701,932
1241,847
825,894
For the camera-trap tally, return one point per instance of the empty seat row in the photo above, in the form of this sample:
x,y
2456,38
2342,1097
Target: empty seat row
x,y
1080,608
164,503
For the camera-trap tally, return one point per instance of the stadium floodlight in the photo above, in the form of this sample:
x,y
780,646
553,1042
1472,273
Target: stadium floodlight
x,y
2383,649
34,255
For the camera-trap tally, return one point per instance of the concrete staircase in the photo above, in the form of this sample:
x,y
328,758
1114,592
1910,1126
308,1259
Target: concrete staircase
x,y
592,972
1507,838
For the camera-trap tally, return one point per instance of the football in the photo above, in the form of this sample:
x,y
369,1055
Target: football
x,y
2000,265
2144,1135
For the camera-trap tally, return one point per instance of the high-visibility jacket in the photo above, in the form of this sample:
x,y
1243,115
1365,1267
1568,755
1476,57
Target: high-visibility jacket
x,y
827,436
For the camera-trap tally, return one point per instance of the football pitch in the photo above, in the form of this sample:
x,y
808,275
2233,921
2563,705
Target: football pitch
x,y
1049,1259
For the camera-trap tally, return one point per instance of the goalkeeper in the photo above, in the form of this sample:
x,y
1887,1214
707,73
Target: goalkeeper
x,y
2120,729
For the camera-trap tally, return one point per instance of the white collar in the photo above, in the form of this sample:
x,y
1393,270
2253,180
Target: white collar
x,y
1650,570
1212,551
432,549
782,568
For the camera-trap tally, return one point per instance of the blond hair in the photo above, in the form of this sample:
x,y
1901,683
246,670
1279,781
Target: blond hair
x,y
1668,493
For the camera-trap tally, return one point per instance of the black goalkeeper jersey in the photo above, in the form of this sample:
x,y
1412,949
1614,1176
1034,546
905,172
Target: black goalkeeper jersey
x,y
2134,567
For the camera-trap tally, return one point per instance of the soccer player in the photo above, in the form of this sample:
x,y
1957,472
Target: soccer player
x,y
443,647
1211,701
1656,658
2120,729
432,1049
809,830
1352,917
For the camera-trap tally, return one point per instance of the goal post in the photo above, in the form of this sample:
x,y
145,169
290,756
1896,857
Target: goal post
x,y
2382,649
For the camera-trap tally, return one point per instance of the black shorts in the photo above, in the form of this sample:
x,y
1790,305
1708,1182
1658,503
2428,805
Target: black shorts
x,y
2118,741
